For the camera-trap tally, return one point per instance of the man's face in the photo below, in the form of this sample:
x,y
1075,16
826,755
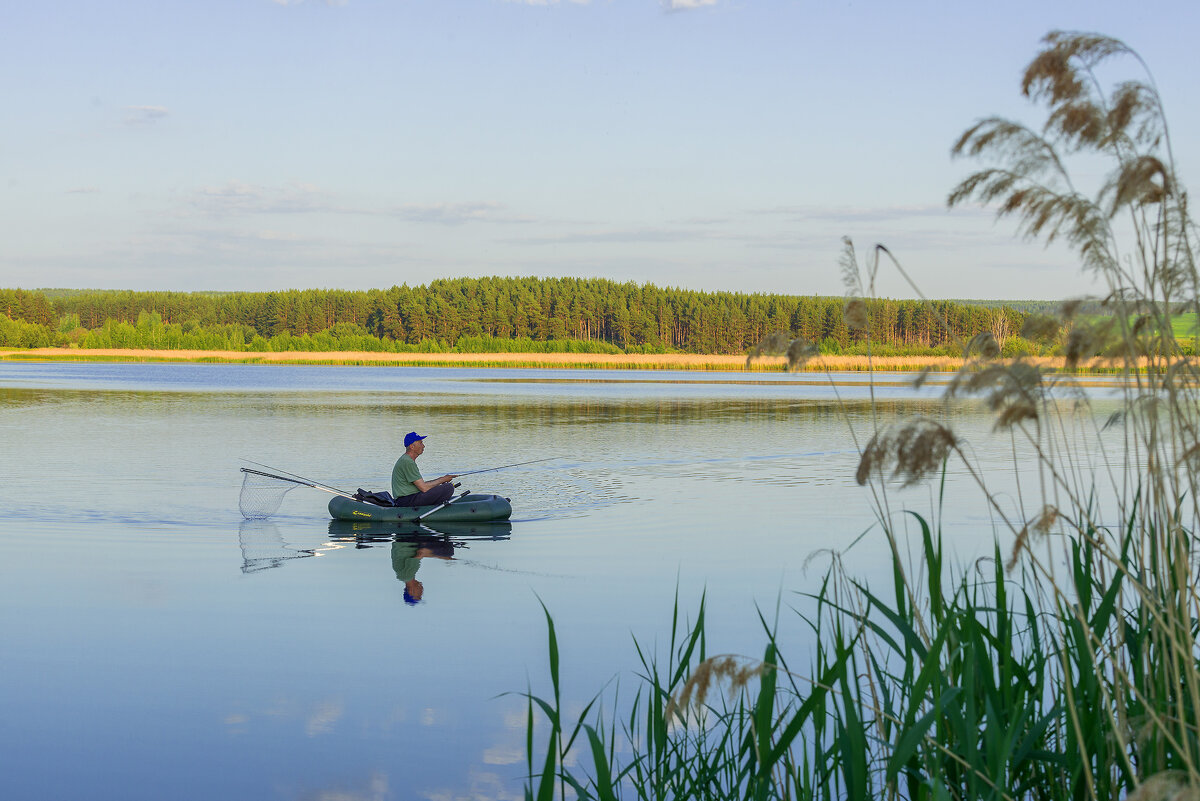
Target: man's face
x,y
418,447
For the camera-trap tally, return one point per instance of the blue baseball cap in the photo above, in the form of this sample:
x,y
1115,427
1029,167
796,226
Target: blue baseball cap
x,y
412,437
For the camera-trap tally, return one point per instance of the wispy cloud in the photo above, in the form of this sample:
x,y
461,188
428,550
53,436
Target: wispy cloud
x,y
852,214
240,198
686,5
82,190
323,717
140,116
376,789
617,236
455,213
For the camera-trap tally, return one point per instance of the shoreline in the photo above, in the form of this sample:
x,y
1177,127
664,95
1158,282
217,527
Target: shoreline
x,y
577,361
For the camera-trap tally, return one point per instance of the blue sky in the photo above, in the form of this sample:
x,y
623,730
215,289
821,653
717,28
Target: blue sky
x,y
708,144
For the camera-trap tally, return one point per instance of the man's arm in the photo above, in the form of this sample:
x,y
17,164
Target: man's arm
x,y
425,486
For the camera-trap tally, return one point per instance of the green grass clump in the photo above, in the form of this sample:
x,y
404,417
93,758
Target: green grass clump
x,y
986,688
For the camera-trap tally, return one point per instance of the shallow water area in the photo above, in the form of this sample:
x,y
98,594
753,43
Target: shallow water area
x,y
158,645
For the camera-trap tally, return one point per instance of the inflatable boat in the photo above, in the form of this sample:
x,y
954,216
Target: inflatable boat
x,y
467,508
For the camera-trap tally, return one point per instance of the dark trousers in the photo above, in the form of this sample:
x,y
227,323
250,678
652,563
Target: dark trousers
x,y
439,494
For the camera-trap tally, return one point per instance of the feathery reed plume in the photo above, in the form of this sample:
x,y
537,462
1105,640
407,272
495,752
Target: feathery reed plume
x,y
1040,328
1070,308
855,313
1170,785
738,671
984,345
1039,526
1015,392
798,351
912,449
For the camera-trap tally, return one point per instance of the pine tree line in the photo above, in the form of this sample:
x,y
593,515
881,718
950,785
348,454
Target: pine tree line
x,y
627,316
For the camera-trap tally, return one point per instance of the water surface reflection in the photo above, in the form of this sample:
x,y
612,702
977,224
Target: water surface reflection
x,y
132,638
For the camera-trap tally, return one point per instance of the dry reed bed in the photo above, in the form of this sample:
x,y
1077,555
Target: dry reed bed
x,y
601,361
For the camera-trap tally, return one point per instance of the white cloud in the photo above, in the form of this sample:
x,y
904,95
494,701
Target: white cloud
x,y
852,214
240,198
618,236
548,2
83,190
454,213
322,718
144,115
686,5
503,755
376,789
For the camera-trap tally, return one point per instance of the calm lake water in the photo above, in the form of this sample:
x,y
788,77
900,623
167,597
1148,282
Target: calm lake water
x,y
155,645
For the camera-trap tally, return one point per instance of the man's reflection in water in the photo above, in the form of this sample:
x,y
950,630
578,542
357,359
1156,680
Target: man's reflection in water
x,y
406,561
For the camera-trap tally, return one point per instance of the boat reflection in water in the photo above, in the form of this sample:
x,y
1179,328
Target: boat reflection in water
x,y
263,546
412,542
363,532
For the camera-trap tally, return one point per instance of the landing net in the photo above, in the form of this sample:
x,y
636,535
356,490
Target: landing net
x,y
262,493
263,547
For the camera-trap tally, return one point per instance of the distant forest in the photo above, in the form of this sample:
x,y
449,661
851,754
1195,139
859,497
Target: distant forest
x,y
482,313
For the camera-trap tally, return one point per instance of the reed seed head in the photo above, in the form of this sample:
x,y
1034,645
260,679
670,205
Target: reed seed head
x,y
1036,528
1040,327
1070,308
1170,785
774,344
800,351
713,671
912,449
984,345
855,313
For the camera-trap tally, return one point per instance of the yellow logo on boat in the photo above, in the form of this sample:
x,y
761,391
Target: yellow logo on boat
x,y
360,514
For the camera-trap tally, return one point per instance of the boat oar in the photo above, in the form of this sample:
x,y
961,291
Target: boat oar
x,y
424,515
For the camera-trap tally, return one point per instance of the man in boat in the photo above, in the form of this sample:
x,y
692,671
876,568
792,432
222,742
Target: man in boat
x,y
408,488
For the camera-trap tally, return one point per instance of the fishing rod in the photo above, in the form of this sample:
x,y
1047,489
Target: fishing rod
x,y
308,482
504,467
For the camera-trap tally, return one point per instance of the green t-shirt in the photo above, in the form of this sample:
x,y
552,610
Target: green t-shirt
x,y
405,561
403,475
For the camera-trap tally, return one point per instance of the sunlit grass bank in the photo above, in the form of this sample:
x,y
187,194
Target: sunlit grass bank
x,y
598,361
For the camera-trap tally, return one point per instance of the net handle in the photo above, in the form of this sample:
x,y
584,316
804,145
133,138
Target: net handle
x,y
330,490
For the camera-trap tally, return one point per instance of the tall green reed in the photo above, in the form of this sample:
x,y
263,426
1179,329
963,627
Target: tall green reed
x,y
1066,665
